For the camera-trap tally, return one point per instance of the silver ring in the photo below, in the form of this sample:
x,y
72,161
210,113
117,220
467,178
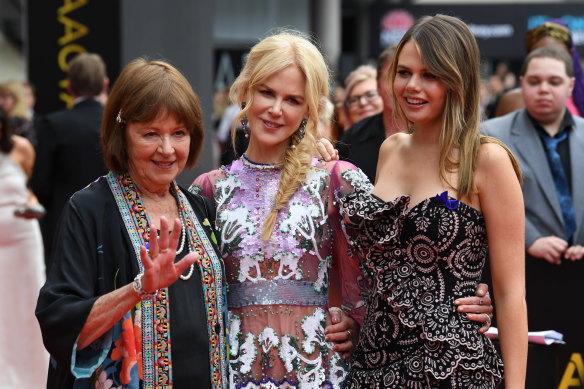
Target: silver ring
x,y
480,301
488,319
163,251
349,332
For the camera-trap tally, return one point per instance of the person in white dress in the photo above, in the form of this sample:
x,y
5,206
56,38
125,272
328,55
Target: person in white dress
x,y
23,359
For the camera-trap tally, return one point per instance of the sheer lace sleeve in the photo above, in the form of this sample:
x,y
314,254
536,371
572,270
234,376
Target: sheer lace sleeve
x,y
352,283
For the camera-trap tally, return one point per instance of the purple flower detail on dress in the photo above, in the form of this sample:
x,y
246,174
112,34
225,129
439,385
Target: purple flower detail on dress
x,y
446,201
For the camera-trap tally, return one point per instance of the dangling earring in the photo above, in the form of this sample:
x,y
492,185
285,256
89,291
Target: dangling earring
x,y
244,123
300,133
410,128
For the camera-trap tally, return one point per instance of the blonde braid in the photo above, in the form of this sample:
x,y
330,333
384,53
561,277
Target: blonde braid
x,y
293,173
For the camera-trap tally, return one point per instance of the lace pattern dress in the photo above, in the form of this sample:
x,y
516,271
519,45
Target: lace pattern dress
x,y
420,260
278,290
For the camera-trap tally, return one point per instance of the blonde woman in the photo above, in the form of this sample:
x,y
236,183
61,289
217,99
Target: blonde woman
x,y
13,101
444,198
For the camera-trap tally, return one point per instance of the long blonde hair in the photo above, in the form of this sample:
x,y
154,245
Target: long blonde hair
x,y
270,55
449,50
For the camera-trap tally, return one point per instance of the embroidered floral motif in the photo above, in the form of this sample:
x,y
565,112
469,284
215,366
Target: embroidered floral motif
x,y
233,222
251,268
242,350
224,189
267,339
280,343
288,266
313,327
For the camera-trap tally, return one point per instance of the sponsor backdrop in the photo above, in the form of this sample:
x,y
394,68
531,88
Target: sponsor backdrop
x,y
60,29
500,31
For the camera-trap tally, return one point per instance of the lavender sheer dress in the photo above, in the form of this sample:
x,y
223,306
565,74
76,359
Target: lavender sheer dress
x,y
278,291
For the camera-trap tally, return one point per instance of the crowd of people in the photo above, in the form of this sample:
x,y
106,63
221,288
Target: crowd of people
x,y
294,264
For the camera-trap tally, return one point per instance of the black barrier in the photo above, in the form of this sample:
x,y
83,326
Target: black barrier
x,y
60,29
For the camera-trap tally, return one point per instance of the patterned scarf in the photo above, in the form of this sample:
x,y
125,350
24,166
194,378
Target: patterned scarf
x,y
142,340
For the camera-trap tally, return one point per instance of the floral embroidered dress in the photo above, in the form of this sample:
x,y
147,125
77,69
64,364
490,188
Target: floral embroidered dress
x,y
278,291
420,261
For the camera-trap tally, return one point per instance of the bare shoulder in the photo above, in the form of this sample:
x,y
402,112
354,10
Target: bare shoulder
x,y
23,146
495,159
393,142
491,152
23,153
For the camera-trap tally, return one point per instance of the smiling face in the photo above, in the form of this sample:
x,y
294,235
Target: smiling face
x,y
157,151
419,93
364,100
279,105
545,87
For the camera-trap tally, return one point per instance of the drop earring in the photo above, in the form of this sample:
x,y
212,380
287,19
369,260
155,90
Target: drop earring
x,y
410,128
245,123
300,133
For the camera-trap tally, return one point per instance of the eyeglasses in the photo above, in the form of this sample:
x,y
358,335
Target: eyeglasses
x,y
353,101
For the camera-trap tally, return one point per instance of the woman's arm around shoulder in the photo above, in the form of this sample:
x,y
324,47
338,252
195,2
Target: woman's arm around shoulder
x,y
501,203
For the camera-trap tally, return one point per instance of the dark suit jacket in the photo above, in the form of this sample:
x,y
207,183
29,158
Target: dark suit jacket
x,y
543,216
552,291
360,144
69,157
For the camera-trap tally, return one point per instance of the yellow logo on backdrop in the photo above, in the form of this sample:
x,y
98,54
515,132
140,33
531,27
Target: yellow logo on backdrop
x,y
72,31
574,373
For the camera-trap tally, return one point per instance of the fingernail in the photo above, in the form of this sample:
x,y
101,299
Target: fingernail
x,y
327,338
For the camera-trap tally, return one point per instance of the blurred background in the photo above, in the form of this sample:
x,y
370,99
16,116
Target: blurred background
x,y
208,40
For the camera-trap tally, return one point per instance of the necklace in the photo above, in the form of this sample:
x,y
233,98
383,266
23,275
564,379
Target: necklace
x,y
182,240
256,165
189,274
180,249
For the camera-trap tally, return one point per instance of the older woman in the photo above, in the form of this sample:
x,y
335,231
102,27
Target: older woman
x,y
106,308
362,98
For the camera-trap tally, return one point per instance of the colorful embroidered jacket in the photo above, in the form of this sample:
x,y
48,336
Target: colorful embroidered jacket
x,y
278,291
169,342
